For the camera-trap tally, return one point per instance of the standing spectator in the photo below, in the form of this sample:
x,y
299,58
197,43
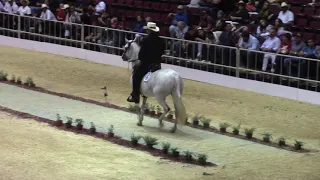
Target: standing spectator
x,y
242,15
100,8
270,45
247,41
180,15
61,16
206,21
265,12
138,27
286,15
226,39
202,39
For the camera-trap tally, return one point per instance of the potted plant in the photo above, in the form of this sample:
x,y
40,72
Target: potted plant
x,y
298,145
79,123
147,109
110,131
29,82
202,159
282,141
170,115
92,128
205,122
159,111
152,110
165,147
195,119
68,124
19,81
3,76
236,129
134,139
188,156
150,141
13,78
175,152
249,132
59,122
223,127
267,137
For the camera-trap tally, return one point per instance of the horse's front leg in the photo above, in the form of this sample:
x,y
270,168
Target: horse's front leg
x,y
142,109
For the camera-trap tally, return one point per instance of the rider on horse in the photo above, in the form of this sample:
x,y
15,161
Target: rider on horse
x,y
152,48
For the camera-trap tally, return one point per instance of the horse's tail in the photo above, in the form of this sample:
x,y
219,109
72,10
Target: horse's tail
x,y
180,110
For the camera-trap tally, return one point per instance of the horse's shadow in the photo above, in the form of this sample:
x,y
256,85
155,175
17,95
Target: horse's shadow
x,y
180,132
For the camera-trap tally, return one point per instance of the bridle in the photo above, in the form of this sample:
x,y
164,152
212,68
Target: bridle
x,y
125,57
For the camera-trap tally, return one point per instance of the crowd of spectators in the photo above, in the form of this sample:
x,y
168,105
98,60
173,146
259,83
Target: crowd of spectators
x,y
221,22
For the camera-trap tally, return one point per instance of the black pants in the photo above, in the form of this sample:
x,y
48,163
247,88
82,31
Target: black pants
x,y
137,78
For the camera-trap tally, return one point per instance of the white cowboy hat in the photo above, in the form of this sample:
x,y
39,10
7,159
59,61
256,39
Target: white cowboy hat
x,y
44,6
284,4
152,27
65,6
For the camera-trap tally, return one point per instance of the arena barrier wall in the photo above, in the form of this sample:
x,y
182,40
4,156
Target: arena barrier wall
x,y
192,74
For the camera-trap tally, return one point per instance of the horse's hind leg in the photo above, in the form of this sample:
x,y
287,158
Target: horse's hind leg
x,y
166,109
142,109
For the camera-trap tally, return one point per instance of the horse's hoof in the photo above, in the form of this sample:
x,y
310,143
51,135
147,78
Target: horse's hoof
x,y
139,123
173,130
160,124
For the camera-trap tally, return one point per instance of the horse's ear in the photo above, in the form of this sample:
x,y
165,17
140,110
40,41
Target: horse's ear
x,y
126,40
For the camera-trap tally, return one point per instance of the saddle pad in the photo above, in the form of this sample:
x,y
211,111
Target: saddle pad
x,y
147,76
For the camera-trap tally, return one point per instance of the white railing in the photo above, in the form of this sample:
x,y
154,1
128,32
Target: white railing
x,y
304,73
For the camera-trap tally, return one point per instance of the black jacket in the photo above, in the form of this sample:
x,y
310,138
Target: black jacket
x,y
152,48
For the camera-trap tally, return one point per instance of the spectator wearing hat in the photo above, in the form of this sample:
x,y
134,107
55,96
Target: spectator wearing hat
x,y
180,15
286,15
249,42
242,15
47,26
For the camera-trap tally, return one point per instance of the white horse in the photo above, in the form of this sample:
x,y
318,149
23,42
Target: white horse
x,y
158,84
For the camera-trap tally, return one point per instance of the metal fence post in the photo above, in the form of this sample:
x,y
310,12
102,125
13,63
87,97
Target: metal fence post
x,y
237,62
19,27
82,36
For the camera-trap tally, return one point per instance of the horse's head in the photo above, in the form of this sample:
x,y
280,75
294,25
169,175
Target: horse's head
x,y
131,51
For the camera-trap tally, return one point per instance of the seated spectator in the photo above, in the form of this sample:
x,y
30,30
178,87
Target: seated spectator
x,y
61,16
47,26
86,20
208,51
99,9
241,16
138,27
47,13
265,12
200,38
179,34
285,48
180,15
148,19
271,45
11,7
226,39
104,20
71,17
251,6
262,29
309,51
248,41
209,3
24,9
206,21
194,4
285,15
1,7
189,47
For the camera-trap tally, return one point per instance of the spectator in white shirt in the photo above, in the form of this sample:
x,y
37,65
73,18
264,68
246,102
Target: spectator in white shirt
x,y
272,44
46,13
100,8
247,41
286,15
1,7
24,10
11,7
71,17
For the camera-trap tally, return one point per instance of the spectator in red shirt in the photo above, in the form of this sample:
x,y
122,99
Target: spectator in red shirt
x,y
60,13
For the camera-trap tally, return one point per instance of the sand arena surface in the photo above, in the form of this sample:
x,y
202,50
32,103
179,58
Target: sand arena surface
x,y
269,114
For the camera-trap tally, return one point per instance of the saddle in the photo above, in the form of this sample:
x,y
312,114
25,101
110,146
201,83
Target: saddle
x,y
154,67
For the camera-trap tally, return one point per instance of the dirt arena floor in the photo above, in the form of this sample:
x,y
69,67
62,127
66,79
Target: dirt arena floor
x,y
281,117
